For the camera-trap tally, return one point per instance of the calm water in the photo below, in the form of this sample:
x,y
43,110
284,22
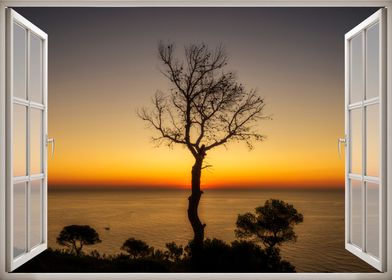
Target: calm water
x,y
160,216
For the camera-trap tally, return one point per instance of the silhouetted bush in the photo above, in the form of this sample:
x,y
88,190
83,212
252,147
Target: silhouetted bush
x,y
74,237
214,256
136,248
271,226
239,256
218,256
248,257
174,252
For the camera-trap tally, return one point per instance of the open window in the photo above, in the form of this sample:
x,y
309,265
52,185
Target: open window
x,y
365,141
365,112
26,140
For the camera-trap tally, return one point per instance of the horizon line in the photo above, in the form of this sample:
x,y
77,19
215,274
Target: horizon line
x,y
52,187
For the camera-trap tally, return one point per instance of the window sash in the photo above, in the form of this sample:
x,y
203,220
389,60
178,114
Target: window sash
x,y
192,3
379,263
31,250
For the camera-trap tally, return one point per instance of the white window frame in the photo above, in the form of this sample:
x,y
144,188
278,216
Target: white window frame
x,y
191,3
12,262
379,263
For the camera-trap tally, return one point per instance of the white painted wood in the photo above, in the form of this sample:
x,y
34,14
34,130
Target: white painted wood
x,y
192,3
364,256
380,262
364,191
373,19
384,147
360,104
9,166
347,189
12,261
44,213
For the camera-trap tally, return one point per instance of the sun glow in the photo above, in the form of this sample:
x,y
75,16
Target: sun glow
x,y
96,88
122,155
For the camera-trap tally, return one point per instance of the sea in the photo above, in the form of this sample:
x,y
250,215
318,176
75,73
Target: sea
x,y
160,216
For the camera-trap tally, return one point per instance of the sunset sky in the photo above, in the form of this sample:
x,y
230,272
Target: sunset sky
x,y
103,65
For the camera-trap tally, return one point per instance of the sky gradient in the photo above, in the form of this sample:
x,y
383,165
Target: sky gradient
x,y
103,65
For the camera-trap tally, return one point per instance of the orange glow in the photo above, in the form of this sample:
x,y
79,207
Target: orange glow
x,y
101,142
115,151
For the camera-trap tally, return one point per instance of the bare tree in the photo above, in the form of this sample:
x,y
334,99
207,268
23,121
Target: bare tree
x,y
205,108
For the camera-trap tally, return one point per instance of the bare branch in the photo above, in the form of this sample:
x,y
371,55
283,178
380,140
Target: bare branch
x,y
206,107
206,166
156,120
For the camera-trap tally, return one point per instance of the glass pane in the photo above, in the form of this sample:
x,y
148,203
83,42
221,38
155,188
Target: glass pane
x,y
356,212
356,141
35,213
372,62
19,139
19,61
372,219
36,141
372,140
356,69
19,218
35,69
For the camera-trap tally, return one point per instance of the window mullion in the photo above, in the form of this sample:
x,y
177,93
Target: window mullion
x,y
28,143
364,187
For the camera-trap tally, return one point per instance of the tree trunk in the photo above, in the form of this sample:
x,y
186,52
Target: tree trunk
x,y
194,199
79,250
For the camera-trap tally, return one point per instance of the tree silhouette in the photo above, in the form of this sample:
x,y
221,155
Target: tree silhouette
x,y
76,236
205,108
136,248
272,224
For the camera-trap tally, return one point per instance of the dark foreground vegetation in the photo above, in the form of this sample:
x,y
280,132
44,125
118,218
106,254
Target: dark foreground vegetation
x,y
218,256
257,249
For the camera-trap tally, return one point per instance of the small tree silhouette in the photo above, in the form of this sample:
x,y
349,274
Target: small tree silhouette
x,y
272,224
136,248
76,236
174,251
205,108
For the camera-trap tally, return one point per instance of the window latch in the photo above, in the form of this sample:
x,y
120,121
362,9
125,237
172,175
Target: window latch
x,y
51,141
341,141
